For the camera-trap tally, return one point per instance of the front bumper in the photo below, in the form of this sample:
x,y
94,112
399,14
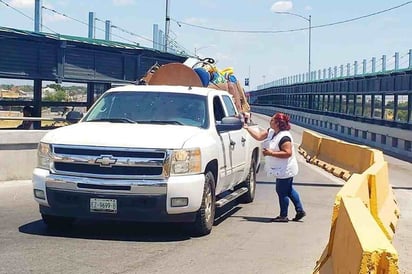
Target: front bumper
x,y
142,208
137,200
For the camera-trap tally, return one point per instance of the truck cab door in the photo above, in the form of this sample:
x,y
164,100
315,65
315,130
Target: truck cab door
x,y
226,174
238,155
237,142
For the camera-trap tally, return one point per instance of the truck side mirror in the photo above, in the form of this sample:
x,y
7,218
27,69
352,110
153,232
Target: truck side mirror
x,y
74,116
229,123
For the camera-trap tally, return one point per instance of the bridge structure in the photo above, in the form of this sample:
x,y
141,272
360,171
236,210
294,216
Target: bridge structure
x,y
373,110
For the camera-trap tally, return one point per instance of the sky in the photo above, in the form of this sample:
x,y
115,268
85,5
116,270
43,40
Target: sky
x,y
247,35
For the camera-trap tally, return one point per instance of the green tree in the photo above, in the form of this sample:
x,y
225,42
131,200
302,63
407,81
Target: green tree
x,y
58,96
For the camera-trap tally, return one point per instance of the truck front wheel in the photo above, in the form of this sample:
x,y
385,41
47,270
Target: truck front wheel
x,y
206,214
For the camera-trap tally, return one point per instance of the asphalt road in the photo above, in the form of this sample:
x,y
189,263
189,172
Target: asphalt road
x,y
243,239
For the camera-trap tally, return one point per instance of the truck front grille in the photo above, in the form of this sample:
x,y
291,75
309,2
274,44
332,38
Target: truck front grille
x,y
109,162
113,170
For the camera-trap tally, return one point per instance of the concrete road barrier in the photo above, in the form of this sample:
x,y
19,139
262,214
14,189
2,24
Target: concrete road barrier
x,y
357,186
371,206
18,153
359,245
309,147
383,205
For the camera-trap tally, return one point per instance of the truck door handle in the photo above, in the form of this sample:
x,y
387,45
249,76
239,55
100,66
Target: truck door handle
x,y
232,143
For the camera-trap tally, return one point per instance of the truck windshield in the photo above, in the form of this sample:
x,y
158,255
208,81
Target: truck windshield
x,y
150,108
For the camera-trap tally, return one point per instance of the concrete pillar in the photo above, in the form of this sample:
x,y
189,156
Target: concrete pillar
x,y
92,18
38,17
396,60
355,68
155,36
410,58
108,30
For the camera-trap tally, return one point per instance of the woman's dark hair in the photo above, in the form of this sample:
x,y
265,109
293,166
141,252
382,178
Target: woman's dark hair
x,y
283,121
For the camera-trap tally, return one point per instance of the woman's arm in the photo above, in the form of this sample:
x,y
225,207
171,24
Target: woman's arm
x,y
258,134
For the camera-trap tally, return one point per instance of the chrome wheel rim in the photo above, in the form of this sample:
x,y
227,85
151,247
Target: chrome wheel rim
x,y
208,205
252,181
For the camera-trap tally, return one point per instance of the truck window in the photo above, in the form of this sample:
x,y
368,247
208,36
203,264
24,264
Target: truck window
x,y
231,111
151,108
218,109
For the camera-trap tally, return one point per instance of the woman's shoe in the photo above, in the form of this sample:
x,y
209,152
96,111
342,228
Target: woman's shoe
x,y
280,219
299,215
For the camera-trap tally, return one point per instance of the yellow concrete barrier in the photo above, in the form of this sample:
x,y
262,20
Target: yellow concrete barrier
x,y
357,186
365,213
383,205
326,154
343,159
377,155
354,158
359,245
310,145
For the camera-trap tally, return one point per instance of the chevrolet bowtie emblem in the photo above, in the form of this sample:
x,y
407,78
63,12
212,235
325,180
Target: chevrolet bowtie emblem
x,y
106,160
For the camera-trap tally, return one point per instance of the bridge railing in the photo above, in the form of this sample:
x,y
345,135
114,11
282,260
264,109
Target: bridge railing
x,y
374,66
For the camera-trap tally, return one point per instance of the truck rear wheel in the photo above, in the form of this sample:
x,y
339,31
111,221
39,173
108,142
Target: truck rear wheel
x,y
206,215
250,184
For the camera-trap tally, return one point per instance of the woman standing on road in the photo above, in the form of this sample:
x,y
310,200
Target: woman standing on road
x,y
280,161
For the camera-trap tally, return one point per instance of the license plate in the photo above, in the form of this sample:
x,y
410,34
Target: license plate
x,y
103,205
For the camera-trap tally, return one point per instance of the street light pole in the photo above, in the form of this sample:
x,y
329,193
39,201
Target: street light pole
x,y
204,47
310,34
309,19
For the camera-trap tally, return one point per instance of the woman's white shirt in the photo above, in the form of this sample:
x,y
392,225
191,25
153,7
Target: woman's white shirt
x,y
279,167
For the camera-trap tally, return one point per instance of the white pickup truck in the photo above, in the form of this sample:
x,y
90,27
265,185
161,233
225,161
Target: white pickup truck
x,y
148,153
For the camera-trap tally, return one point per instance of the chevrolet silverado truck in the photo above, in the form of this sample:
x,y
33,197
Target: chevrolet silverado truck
x,y
148,153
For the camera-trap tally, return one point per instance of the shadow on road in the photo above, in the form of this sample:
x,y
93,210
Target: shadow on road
x,y
257,219
125,231
303,184
112,230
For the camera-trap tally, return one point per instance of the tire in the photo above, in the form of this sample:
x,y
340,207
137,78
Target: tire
x,y
57,221
250,184
206,215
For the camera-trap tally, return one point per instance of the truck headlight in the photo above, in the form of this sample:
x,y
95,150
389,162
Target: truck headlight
x,y
185,161
43,156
